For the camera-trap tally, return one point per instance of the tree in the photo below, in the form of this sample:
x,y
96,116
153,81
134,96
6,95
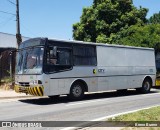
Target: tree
x,y
155,18
106,17
137,35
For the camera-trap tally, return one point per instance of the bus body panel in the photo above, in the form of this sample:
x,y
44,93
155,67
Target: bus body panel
x,y
114,71
124,68
61,82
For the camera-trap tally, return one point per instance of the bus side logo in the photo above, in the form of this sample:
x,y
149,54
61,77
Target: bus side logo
x,y
101,70
94,71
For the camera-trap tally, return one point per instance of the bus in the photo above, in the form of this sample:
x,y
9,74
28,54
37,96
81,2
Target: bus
x,y
50,67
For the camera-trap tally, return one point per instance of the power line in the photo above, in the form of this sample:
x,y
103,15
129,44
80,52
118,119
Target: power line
x,y
11,2
6,21
28,30
7,12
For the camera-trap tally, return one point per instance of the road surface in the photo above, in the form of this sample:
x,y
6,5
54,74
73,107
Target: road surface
x,y
94,106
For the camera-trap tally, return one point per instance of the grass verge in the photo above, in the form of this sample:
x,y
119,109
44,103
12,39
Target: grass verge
x,y
152,114
147,115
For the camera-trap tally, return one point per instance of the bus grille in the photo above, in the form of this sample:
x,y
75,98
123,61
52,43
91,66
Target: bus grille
x,y
26,84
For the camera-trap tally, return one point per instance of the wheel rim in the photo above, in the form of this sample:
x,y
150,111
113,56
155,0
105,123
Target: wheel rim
x,y
146,86
77,91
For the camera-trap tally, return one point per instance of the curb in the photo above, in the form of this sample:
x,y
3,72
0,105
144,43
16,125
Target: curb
x,y
14,97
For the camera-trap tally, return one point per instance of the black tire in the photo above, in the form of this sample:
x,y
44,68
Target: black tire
x,y
76,91
146,86
55,97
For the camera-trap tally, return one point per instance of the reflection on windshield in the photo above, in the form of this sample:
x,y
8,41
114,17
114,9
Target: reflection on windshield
x,y
30,61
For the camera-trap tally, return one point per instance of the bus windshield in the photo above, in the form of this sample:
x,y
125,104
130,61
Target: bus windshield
x,y
29,61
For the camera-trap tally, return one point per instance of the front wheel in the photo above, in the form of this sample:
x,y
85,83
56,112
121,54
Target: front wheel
x,y
76,91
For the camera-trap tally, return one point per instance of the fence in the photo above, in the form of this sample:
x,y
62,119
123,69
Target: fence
x,y
7,64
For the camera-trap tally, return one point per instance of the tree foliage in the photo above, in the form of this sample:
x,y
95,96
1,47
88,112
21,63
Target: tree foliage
x,y
155,18
137,35
101,21
147,35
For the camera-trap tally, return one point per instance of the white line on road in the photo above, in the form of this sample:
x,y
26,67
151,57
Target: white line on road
x,y
85,102
127,112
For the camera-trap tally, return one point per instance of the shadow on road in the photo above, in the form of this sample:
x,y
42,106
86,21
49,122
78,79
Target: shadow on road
x,y
64,99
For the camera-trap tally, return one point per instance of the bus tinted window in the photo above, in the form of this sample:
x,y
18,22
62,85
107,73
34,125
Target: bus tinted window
x,y
58,59
84,55
31,43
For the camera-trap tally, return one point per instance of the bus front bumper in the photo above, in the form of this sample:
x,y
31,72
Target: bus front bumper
x,y
35,91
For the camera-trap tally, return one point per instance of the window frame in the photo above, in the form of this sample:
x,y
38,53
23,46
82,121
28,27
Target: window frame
x,y
48,66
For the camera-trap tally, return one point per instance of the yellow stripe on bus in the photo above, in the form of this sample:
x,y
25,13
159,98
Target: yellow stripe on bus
x,y
35,90
39,91
31,91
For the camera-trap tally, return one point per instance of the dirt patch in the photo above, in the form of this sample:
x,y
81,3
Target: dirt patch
x,y
6,86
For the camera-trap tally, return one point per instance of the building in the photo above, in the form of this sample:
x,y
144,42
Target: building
x,y
9,40
8,43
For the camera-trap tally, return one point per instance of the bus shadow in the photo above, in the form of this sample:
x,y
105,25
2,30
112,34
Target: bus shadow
x,y
92,96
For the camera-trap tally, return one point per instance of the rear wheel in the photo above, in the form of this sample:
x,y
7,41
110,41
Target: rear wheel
x,y
146,86
76,91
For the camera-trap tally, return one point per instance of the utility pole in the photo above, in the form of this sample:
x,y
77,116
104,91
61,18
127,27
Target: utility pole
x,y
18,35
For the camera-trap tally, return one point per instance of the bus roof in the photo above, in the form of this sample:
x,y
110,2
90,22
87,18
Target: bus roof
x,y
96,44
101,44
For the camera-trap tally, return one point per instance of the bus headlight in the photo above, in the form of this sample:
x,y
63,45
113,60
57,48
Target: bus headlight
x,y
39,82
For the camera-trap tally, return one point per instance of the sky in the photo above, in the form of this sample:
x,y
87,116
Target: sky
x,y
52,18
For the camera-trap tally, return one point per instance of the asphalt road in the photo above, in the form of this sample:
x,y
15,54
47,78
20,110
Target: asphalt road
x,y
93,107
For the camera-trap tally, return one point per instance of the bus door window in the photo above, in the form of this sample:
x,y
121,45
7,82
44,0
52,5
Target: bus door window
x,y
52,56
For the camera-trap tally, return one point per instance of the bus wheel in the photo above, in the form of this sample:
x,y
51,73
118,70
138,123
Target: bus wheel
x,y
76,91
146,86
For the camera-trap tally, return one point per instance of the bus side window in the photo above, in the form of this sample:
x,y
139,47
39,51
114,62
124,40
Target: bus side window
x,y
84,55
64,57
58,59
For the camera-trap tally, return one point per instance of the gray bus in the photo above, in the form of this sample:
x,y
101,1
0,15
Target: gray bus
x,y
49,67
